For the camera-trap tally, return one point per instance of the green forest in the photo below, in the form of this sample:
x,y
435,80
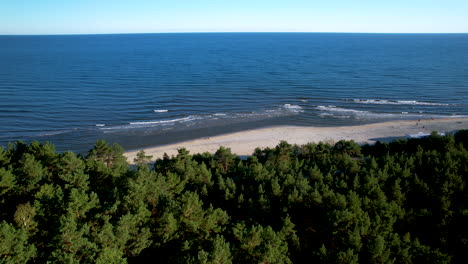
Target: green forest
x,y
400,202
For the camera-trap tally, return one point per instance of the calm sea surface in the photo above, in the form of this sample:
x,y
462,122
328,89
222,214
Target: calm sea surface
x,y
151,89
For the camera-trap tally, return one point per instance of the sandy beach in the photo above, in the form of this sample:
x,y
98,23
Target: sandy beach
x,y
245,142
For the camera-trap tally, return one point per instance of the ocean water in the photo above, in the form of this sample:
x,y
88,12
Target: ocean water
x,y
141,90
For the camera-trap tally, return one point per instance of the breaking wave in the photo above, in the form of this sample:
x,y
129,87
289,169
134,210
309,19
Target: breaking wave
x,y
184,119
339,112
395,102
293,108
206,119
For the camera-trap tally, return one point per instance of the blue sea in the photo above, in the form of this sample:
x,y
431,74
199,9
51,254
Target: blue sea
x,y
141,90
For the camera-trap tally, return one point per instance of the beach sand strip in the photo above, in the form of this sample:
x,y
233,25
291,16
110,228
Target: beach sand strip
x,y
244,143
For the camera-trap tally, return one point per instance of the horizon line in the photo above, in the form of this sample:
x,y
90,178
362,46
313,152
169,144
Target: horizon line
x,y
234,32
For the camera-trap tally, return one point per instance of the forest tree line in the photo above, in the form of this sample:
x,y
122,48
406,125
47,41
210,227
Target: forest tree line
x,y
399,202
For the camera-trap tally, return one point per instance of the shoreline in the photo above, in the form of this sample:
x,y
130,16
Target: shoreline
x,y
244,143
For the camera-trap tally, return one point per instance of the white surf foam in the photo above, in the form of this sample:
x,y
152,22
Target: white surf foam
x,y
161,110
100,125
293,108
395,102
283,110
332,108
183,119
339,112
148,124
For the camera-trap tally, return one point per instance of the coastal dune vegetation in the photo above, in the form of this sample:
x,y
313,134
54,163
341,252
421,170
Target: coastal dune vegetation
x,y
400,202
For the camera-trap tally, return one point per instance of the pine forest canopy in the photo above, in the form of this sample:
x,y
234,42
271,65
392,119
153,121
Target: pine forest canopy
x,y
399,202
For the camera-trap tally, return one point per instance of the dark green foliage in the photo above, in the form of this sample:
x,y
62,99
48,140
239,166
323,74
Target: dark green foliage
x,y
399,202
14,245
142,159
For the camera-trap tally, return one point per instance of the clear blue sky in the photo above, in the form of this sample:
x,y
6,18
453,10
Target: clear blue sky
x,y
148,16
